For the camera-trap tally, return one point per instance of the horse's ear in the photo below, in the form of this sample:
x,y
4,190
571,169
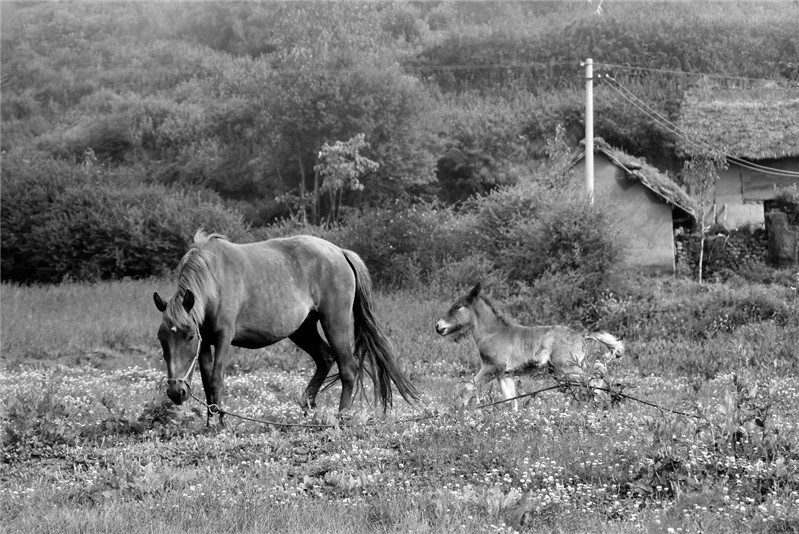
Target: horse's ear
x,y
188,300
159,302
475,291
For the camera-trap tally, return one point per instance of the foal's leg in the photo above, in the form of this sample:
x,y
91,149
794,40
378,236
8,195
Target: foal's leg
x,y
485,375
307,337
508,387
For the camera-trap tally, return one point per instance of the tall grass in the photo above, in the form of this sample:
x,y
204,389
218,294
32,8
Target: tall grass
x,y
48,322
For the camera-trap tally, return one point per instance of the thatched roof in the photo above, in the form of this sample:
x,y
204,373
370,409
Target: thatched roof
x,y
755,124
638,170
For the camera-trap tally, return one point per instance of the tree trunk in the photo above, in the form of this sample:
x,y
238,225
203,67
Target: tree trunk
x,y
701,253
340,198
302,187
316,197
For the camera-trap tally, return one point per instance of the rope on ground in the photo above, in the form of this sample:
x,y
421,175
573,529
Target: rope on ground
x,y
613,393
214,409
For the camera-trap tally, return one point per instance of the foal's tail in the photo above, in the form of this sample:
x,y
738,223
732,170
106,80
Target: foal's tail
x,y
372,344
614,344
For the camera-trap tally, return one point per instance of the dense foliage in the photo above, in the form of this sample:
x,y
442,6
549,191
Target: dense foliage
x,y
204,113
65,222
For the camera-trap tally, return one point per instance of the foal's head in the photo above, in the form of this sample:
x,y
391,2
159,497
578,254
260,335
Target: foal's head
x,y
461,315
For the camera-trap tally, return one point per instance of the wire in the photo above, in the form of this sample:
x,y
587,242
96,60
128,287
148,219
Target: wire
x,y
514,65
673,128
682,72
730,158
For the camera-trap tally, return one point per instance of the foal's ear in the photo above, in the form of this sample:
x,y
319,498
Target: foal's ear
x,y
159,302
475,291
188,300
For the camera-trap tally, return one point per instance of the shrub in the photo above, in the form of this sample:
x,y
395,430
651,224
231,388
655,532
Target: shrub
x,y
61,221
405,245
552,242
681,309
109,137
402,245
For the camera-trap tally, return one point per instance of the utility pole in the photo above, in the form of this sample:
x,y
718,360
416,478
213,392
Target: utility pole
x,y
589,128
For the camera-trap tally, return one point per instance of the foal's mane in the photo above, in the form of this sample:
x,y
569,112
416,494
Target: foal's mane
x,y
501,316
196,272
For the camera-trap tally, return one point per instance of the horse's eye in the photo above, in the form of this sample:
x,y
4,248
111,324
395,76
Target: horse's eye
x,y
189,336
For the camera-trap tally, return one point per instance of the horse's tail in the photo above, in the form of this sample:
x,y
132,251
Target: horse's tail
x,y
371,343
614,344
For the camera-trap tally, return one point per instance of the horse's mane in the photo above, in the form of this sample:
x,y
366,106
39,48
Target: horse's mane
x,y
196,272
501,316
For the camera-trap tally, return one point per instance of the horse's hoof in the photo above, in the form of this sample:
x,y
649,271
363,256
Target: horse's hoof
x,y
308,409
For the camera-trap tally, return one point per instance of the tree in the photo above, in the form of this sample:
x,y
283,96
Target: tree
x,y
700,174
341,167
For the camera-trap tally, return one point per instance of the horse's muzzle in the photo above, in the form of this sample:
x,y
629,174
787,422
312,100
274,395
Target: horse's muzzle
x,y
177,392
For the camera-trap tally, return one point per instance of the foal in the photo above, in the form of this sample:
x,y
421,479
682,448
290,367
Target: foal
x,y
508,349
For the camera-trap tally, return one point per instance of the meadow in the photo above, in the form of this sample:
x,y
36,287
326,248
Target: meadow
x,y
91,444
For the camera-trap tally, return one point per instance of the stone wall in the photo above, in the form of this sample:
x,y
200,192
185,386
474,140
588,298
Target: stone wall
x,y
724,252
776,245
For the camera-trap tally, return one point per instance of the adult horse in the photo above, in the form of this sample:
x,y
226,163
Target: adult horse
x,y
253,295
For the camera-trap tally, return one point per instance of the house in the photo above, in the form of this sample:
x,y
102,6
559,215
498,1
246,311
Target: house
x,y
647,204
758,127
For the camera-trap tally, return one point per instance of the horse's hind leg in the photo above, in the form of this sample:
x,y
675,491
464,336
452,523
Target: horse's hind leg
x,y
307,337
340,332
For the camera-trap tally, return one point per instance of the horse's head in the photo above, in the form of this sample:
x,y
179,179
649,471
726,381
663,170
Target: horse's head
x,y
180,341
461,315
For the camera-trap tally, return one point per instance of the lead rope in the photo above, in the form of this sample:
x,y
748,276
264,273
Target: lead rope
x,y
214,409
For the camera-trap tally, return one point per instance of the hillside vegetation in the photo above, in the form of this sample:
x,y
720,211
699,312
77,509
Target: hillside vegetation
x,y
135,122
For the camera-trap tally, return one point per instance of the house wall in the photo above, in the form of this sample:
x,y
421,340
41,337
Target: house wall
x,y
740,192
731,210
644,219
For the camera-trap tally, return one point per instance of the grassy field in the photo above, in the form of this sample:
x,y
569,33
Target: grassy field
x,y
91,444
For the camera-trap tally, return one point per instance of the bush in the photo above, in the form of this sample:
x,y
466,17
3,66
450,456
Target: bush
x,y
402,245
556,247
405,245
640,309
65,222
108,137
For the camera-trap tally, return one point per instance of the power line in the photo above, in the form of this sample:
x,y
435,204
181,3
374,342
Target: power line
x,y
673,128
512,65
683,73
432,68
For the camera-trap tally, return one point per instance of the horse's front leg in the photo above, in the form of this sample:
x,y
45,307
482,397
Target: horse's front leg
x,y
206,372
216,381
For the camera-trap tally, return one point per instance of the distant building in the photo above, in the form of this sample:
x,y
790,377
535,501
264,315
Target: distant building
x,y
759,126
647,204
